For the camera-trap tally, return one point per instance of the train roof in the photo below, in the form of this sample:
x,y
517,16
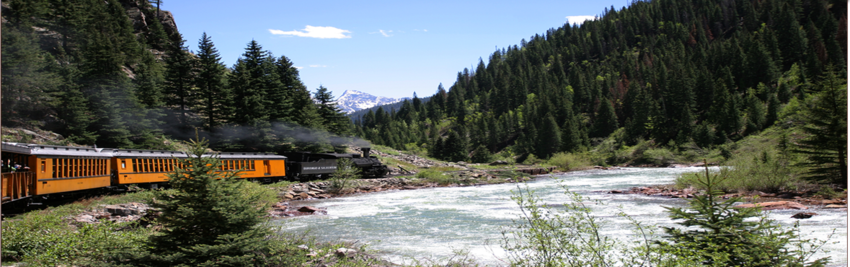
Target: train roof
x,y
138,153
49,150
247,155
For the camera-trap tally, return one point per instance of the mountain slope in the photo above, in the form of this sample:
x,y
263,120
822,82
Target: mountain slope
x,y
696,73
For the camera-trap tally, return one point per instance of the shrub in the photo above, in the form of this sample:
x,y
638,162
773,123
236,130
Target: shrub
x,y
345,177
434,176
766,170
531,160
658,156
569,161
546,236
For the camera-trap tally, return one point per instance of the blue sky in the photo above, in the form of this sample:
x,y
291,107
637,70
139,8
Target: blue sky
x,y
384,48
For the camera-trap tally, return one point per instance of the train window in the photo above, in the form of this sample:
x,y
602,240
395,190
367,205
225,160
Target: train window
x,y
123,164
43,165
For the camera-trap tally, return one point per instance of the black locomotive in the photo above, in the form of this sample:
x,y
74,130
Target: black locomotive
x,y
308,166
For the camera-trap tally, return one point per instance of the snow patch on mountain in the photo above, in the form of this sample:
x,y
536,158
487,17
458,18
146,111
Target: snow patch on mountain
x,y
351,101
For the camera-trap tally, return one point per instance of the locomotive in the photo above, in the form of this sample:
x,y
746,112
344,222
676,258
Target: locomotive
x,y
307,165
33,172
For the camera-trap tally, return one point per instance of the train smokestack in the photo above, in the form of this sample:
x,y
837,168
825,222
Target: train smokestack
x,y
365,151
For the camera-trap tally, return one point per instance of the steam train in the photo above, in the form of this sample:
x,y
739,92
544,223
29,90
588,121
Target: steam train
x,y
306,165
33,172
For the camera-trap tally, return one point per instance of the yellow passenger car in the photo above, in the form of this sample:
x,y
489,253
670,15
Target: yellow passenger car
x,y
46,169
144,167
260,166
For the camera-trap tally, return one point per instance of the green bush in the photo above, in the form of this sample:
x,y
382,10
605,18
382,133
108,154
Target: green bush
x,y
767,170
547,236
658,156
569,161
531,160
434,176
345,177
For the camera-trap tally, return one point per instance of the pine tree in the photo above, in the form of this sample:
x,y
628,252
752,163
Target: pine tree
x,y
755,113
304,111
179,80
481,155
826,145
209,218
333,119
27,77
606,120
455,147
214,97
549,138
278,98
247,87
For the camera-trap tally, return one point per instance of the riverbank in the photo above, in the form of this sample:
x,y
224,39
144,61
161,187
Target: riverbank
x,y
786,200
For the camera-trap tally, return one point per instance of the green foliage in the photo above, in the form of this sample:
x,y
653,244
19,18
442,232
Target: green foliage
x,y
531,159
716,234
826,145
345,177
435,176
545,236
569,161
482,155
210,219
658,156
45,238
213,99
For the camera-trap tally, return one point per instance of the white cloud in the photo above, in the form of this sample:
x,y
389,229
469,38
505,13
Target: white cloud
x,y
297,67
318,66
579,19
385,33
321,32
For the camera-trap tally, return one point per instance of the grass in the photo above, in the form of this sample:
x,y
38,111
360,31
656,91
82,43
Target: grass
x,y
46,238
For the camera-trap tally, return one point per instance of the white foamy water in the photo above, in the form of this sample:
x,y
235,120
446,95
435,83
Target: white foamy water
x,y
435,223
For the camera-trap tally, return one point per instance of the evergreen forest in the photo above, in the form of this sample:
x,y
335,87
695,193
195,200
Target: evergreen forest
x,y
683,75
117,73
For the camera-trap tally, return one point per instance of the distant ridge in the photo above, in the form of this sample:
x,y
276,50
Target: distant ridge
x,y
351,101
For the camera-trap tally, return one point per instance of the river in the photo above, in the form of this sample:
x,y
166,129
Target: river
x,y
433,224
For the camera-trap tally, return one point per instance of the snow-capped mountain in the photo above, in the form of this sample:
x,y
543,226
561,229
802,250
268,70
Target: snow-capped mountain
x,y
351,101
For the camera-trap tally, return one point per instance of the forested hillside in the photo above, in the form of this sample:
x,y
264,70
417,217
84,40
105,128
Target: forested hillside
x,y
117,73
662,73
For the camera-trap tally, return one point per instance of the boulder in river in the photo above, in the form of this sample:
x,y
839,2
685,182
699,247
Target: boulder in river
x,y
803,215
